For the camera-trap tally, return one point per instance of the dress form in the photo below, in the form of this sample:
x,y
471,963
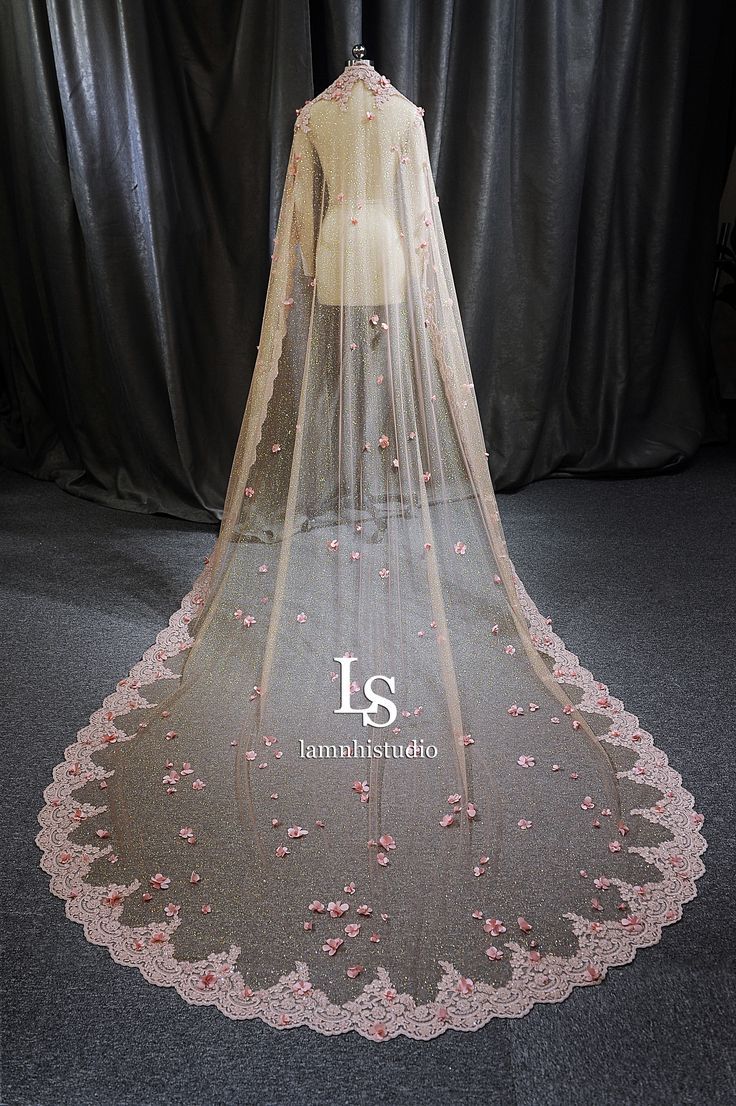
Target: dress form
x,y
359,254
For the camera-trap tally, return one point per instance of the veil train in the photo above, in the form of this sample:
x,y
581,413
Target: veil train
x,y
359,783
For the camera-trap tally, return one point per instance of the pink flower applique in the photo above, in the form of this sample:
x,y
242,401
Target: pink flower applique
x,y
460,547
301,617
364,910
526,761
494,926
301,987
493,953
468,740
472,810
331,945
632,924
374,319
386,841
464,985
194,877
523,925
454,798
250,755
447,820
333,545
383,441
172,909
587,803
510,650
382,859
281,851
113,899
383,573
524,824
198,785
375,938
316,907
354,971
352,930
614,846
379,379
296,832
337,909
160,881
349,888
275,448
426,477
249,492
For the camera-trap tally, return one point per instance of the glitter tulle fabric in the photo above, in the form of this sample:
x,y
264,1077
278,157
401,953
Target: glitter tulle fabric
x,y
251,820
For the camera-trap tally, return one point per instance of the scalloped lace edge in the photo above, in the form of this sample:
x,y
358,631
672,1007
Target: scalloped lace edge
x,y
377,1013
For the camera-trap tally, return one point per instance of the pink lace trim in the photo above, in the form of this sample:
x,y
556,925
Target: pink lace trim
x,y
341,88
377,1013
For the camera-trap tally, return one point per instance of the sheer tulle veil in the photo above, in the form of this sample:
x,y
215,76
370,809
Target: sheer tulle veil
x,y
359,782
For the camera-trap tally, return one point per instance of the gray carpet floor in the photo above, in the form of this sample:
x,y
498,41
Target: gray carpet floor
x,y
640,576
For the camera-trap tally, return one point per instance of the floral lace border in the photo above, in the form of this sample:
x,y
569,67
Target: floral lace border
x,y
378,1012
340,90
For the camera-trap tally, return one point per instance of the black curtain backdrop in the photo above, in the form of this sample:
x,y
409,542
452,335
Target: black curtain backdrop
x,y
579,149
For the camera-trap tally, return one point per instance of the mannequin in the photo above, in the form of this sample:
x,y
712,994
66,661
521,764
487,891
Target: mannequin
x,y
355,219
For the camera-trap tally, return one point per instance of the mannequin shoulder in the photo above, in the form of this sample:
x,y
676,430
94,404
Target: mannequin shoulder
x,y
395,112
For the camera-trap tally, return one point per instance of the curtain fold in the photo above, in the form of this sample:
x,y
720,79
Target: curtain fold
x,y
579,150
